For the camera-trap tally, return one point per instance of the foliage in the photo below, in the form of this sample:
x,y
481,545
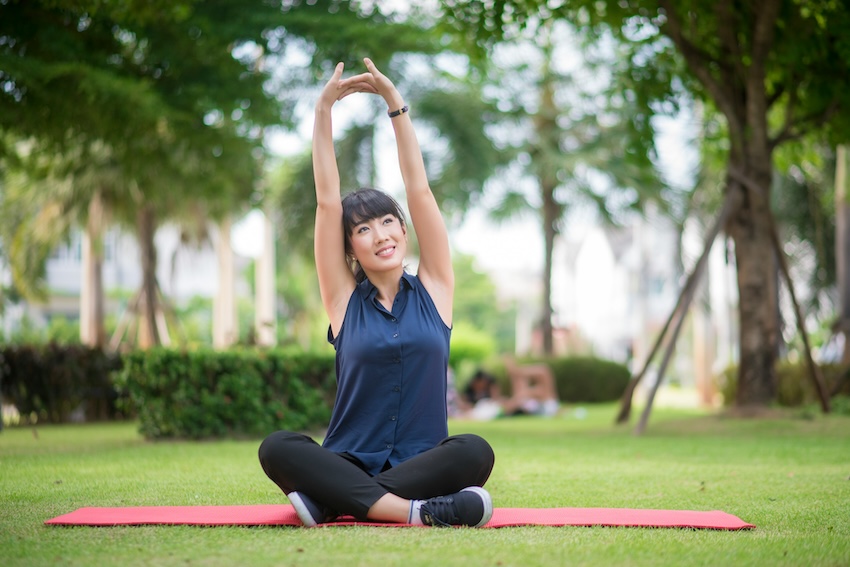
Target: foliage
x,y
572,142
57,383
58,330
588,379
776,71
195,321
804,205
578,379
476,303
142,107
470,345
202,394
664,43
794,383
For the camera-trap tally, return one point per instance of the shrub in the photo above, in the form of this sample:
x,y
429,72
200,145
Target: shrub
x,y
59,383
469,345
203,394
794,386
589,379
578,379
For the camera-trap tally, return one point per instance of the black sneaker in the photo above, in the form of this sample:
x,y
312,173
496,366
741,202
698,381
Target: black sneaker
x,y
310,512
471,507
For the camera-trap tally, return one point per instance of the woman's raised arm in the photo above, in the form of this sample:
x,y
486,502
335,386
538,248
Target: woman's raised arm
x,y
336,281
435,265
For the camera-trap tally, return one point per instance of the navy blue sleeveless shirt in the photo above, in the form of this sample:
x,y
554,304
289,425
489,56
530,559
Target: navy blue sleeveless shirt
x,y
391,377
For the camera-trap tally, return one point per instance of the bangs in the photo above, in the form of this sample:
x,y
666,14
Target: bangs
x,y
368,204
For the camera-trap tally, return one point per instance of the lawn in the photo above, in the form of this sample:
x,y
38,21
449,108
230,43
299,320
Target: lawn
x,y
789,476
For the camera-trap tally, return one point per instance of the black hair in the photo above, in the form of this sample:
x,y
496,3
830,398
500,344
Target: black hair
x,y
364,205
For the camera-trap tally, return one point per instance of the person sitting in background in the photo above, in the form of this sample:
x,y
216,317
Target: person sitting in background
x,y
533,390
481,386
482,397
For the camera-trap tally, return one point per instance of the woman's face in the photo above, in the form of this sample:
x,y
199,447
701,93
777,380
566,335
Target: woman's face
x,y
379,244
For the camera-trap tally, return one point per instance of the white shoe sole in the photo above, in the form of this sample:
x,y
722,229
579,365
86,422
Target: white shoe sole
x,y
488,504
302,510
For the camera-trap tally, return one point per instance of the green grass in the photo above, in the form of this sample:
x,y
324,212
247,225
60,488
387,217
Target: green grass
x,y
789,476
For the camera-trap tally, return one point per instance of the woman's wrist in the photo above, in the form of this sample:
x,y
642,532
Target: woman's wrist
x,y
397,111
394,100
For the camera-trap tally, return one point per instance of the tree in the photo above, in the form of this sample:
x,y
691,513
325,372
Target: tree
x,y
46,194
570,150
170,91
775,69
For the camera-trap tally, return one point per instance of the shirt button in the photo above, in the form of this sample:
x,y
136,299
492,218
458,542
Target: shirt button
x,y
389,446
396,389
392,418
394,320
395,335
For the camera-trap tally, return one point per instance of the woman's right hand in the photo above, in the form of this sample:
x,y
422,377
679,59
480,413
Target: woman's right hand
x,y
331,91
337,89
374,82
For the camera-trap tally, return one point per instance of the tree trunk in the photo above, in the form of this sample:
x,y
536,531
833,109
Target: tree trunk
x,y
148,332
550,217
265,309
750,229
548,136
739,91
92,331
842,250
225,332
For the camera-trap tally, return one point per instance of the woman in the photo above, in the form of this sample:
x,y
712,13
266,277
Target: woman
x,y
387,455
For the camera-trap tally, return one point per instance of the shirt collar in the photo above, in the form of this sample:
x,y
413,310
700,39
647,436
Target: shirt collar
x,y
369,291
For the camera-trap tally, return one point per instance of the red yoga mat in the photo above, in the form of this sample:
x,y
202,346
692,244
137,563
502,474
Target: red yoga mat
x,y
284,515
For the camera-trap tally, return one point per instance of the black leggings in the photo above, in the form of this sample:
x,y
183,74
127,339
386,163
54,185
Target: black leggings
x,y
337,480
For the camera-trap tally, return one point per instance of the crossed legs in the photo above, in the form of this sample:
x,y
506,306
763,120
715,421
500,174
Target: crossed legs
x,y
295,462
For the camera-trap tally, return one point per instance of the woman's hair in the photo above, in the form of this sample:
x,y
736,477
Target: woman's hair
x,y
364,205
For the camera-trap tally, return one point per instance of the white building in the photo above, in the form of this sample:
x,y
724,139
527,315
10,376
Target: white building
x,y
183,272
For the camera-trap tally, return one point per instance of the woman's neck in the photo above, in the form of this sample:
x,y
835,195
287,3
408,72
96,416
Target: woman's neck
x,y
387,284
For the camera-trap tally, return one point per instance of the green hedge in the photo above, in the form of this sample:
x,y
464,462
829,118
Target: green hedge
x,y
588,379
579,379
794,384
204,394
55,383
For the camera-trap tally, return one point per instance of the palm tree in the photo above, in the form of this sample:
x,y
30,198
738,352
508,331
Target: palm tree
x,y
574,150
47,194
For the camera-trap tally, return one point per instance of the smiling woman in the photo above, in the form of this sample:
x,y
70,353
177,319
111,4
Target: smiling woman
x,y
375,232
387,455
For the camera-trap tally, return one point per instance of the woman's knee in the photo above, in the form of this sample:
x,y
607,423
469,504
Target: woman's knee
x,y
476,447
280,443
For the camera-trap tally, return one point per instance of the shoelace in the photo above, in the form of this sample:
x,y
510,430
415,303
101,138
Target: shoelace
x,y
439,508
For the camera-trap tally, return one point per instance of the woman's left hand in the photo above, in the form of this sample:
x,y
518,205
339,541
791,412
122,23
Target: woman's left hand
x,y
373,82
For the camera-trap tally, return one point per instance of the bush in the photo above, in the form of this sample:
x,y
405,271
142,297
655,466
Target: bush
x,y
794,384
469,347
578,379
588,379
59,383
203,394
